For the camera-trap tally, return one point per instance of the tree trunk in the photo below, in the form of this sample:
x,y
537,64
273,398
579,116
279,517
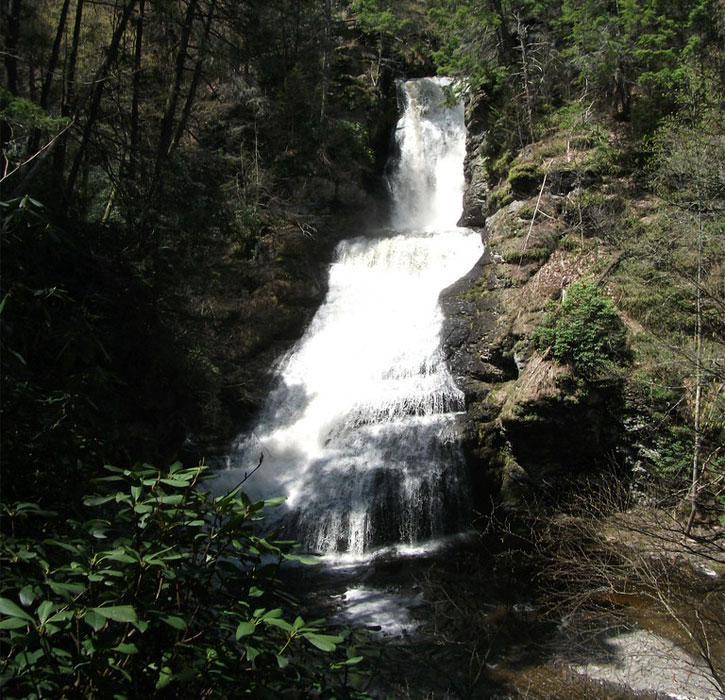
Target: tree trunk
x,y
69,86
34,141
507,44
54,53
172,99
521,30
136,94
697,446
11,10
324,87
95,92
69,92
191,95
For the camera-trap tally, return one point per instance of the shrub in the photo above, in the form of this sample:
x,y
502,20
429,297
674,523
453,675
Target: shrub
x,y
584,330
163,591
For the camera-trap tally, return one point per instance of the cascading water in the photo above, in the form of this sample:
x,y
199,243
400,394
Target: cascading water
x,y
359,434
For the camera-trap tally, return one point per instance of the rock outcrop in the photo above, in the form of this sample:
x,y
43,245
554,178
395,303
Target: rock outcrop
x,y
476,192
530,423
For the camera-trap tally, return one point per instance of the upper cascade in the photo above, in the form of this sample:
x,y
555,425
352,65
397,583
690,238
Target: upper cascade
x,y
427,180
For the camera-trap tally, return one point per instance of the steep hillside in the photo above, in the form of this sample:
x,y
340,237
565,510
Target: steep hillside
x,y
577,213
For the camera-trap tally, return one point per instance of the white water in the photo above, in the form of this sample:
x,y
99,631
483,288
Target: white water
x,y
359,434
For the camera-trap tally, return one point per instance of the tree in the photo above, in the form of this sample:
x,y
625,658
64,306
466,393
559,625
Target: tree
x,y
506,49
584,330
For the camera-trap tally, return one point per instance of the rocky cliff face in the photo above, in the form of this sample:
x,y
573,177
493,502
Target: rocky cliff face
x,y
530,422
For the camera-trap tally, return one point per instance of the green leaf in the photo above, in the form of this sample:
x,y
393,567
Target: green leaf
x,y
126,648
309,560
69,547
173,499
7,607
272,502
117,554
282,662
351,661
165,677
141,625
97,500
26,595
111,468
62,616
12,623
324,642
97,528
92,618
66,590
117,613
244,629
44,610
278,622
114,664
180,483
28,658
176,622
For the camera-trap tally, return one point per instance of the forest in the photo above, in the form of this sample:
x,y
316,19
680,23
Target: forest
x,y
175,175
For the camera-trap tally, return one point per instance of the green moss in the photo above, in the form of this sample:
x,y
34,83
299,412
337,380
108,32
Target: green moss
x,y
476,290
605,159
500,166
500,197
552,148
526,413
530,255
526,212
570,242
525,178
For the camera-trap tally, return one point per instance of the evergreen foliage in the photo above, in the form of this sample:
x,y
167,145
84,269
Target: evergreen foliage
x,y
584,330
629,58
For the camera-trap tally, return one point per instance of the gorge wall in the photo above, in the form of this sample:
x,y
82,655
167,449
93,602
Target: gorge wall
x,y
530,424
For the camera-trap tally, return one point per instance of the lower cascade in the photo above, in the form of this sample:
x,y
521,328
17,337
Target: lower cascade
x,y
359,434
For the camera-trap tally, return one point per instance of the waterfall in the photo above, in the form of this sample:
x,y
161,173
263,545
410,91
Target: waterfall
x,y
359,433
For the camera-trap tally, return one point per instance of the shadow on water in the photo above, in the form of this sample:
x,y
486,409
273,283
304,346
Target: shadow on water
x,y
439,621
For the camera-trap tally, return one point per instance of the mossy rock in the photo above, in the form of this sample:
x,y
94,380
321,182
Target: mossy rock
x,y
499,197
528,256
563,180
525,179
